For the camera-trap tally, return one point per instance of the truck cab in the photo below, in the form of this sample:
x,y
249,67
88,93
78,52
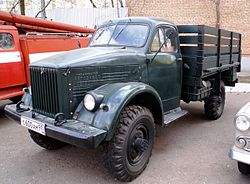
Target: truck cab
x,y
130,78
160,59
12,73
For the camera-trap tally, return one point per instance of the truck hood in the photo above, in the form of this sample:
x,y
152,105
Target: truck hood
x,y
91,56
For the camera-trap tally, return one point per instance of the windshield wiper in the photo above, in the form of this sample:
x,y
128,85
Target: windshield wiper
x,y
124,27
99,34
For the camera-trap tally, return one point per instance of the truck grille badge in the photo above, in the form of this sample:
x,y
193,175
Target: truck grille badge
x,y
42,70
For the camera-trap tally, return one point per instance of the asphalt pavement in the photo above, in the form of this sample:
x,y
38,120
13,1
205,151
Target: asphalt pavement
x,y
192,150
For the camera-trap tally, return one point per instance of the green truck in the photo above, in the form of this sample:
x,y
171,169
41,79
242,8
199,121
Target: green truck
x,y
131,77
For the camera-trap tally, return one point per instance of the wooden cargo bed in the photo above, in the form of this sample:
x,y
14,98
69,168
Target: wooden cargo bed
x,y
207,51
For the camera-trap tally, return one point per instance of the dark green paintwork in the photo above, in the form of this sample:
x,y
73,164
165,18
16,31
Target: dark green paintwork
x,y
207,52
121,73
116,97
95,66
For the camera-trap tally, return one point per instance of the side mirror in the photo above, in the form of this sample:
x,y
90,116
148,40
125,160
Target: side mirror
x,y
171,33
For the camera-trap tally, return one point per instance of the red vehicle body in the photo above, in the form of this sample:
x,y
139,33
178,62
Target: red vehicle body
x,y
19,46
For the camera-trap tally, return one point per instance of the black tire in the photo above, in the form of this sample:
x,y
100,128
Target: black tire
x,y
244,168
46,142
16,99
128,153
214,105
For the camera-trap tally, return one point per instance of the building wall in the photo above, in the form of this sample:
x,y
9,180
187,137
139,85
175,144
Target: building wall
x,y
234,14
89,17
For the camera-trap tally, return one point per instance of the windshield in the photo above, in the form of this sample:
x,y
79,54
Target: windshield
x,y
134,35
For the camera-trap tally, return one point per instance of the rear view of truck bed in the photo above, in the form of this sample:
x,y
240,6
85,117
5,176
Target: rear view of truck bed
x,y
207,52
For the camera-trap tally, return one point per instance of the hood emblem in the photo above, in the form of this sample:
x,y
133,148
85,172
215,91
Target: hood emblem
x,y
42,70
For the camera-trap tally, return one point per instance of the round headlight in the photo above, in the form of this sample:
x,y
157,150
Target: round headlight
x,y
89,102
242,123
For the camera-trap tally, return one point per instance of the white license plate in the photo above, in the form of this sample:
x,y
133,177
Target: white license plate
x,y
34,125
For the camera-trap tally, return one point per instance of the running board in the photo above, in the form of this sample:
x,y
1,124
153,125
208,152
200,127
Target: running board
x,y
174,115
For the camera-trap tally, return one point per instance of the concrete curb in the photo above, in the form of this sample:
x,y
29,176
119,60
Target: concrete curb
x,y
239,88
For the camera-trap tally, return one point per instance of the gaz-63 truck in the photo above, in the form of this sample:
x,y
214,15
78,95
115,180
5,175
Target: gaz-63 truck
x,y
132,76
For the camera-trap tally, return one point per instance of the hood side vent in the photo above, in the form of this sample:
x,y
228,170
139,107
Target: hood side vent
x,y
90,78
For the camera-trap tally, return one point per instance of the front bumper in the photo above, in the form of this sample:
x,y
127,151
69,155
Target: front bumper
x,y
239,155
73,132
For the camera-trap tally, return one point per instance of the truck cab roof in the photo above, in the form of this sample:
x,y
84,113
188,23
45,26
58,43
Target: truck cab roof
x,y
148,20
7,27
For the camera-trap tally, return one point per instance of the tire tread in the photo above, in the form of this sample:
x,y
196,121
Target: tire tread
x,y
46,142
113,158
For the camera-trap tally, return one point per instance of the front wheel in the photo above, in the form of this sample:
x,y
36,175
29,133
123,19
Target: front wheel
x,y
244,168
129,151
214,105
46,142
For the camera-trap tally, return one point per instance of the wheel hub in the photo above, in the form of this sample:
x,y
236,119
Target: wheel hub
x,y
141,144
138,144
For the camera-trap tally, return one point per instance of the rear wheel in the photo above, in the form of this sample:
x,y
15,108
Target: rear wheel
x,y
46,142
129,151
214,105
244,168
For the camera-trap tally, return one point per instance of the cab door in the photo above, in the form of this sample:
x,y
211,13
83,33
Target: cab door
x,y
164,68
12,71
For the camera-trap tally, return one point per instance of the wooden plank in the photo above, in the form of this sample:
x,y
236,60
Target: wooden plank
x,y
236,35
235,57
198,39
189,40
225,59
235,49
210,50
191,51
209,62
225,33
207,50
225,41
210,39
188,28
236,42
210,30
225,50
209,58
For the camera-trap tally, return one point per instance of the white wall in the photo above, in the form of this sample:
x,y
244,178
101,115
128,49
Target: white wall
x,y
82,16
245,64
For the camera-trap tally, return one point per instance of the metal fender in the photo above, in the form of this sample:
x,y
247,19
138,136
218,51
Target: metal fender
x,y
115,97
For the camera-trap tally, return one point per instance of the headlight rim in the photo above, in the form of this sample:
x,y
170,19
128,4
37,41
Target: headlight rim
x,y
97,99
248,120
94,107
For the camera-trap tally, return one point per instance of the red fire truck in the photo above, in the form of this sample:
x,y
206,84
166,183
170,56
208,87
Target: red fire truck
x,y
26,39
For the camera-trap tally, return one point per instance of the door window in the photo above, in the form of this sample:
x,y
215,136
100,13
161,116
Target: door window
x,y
6,41
160,39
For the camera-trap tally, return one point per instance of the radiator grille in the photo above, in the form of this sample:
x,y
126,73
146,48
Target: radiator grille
x,y
44,90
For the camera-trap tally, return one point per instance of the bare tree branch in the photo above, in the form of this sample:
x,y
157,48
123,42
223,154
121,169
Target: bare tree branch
x,y
112,3
14,6
43,8
217,3
121,3
92,2
22,7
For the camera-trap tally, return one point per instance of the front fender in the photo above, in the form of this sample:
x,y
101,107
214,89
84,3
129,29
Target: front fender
x,y
116,96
